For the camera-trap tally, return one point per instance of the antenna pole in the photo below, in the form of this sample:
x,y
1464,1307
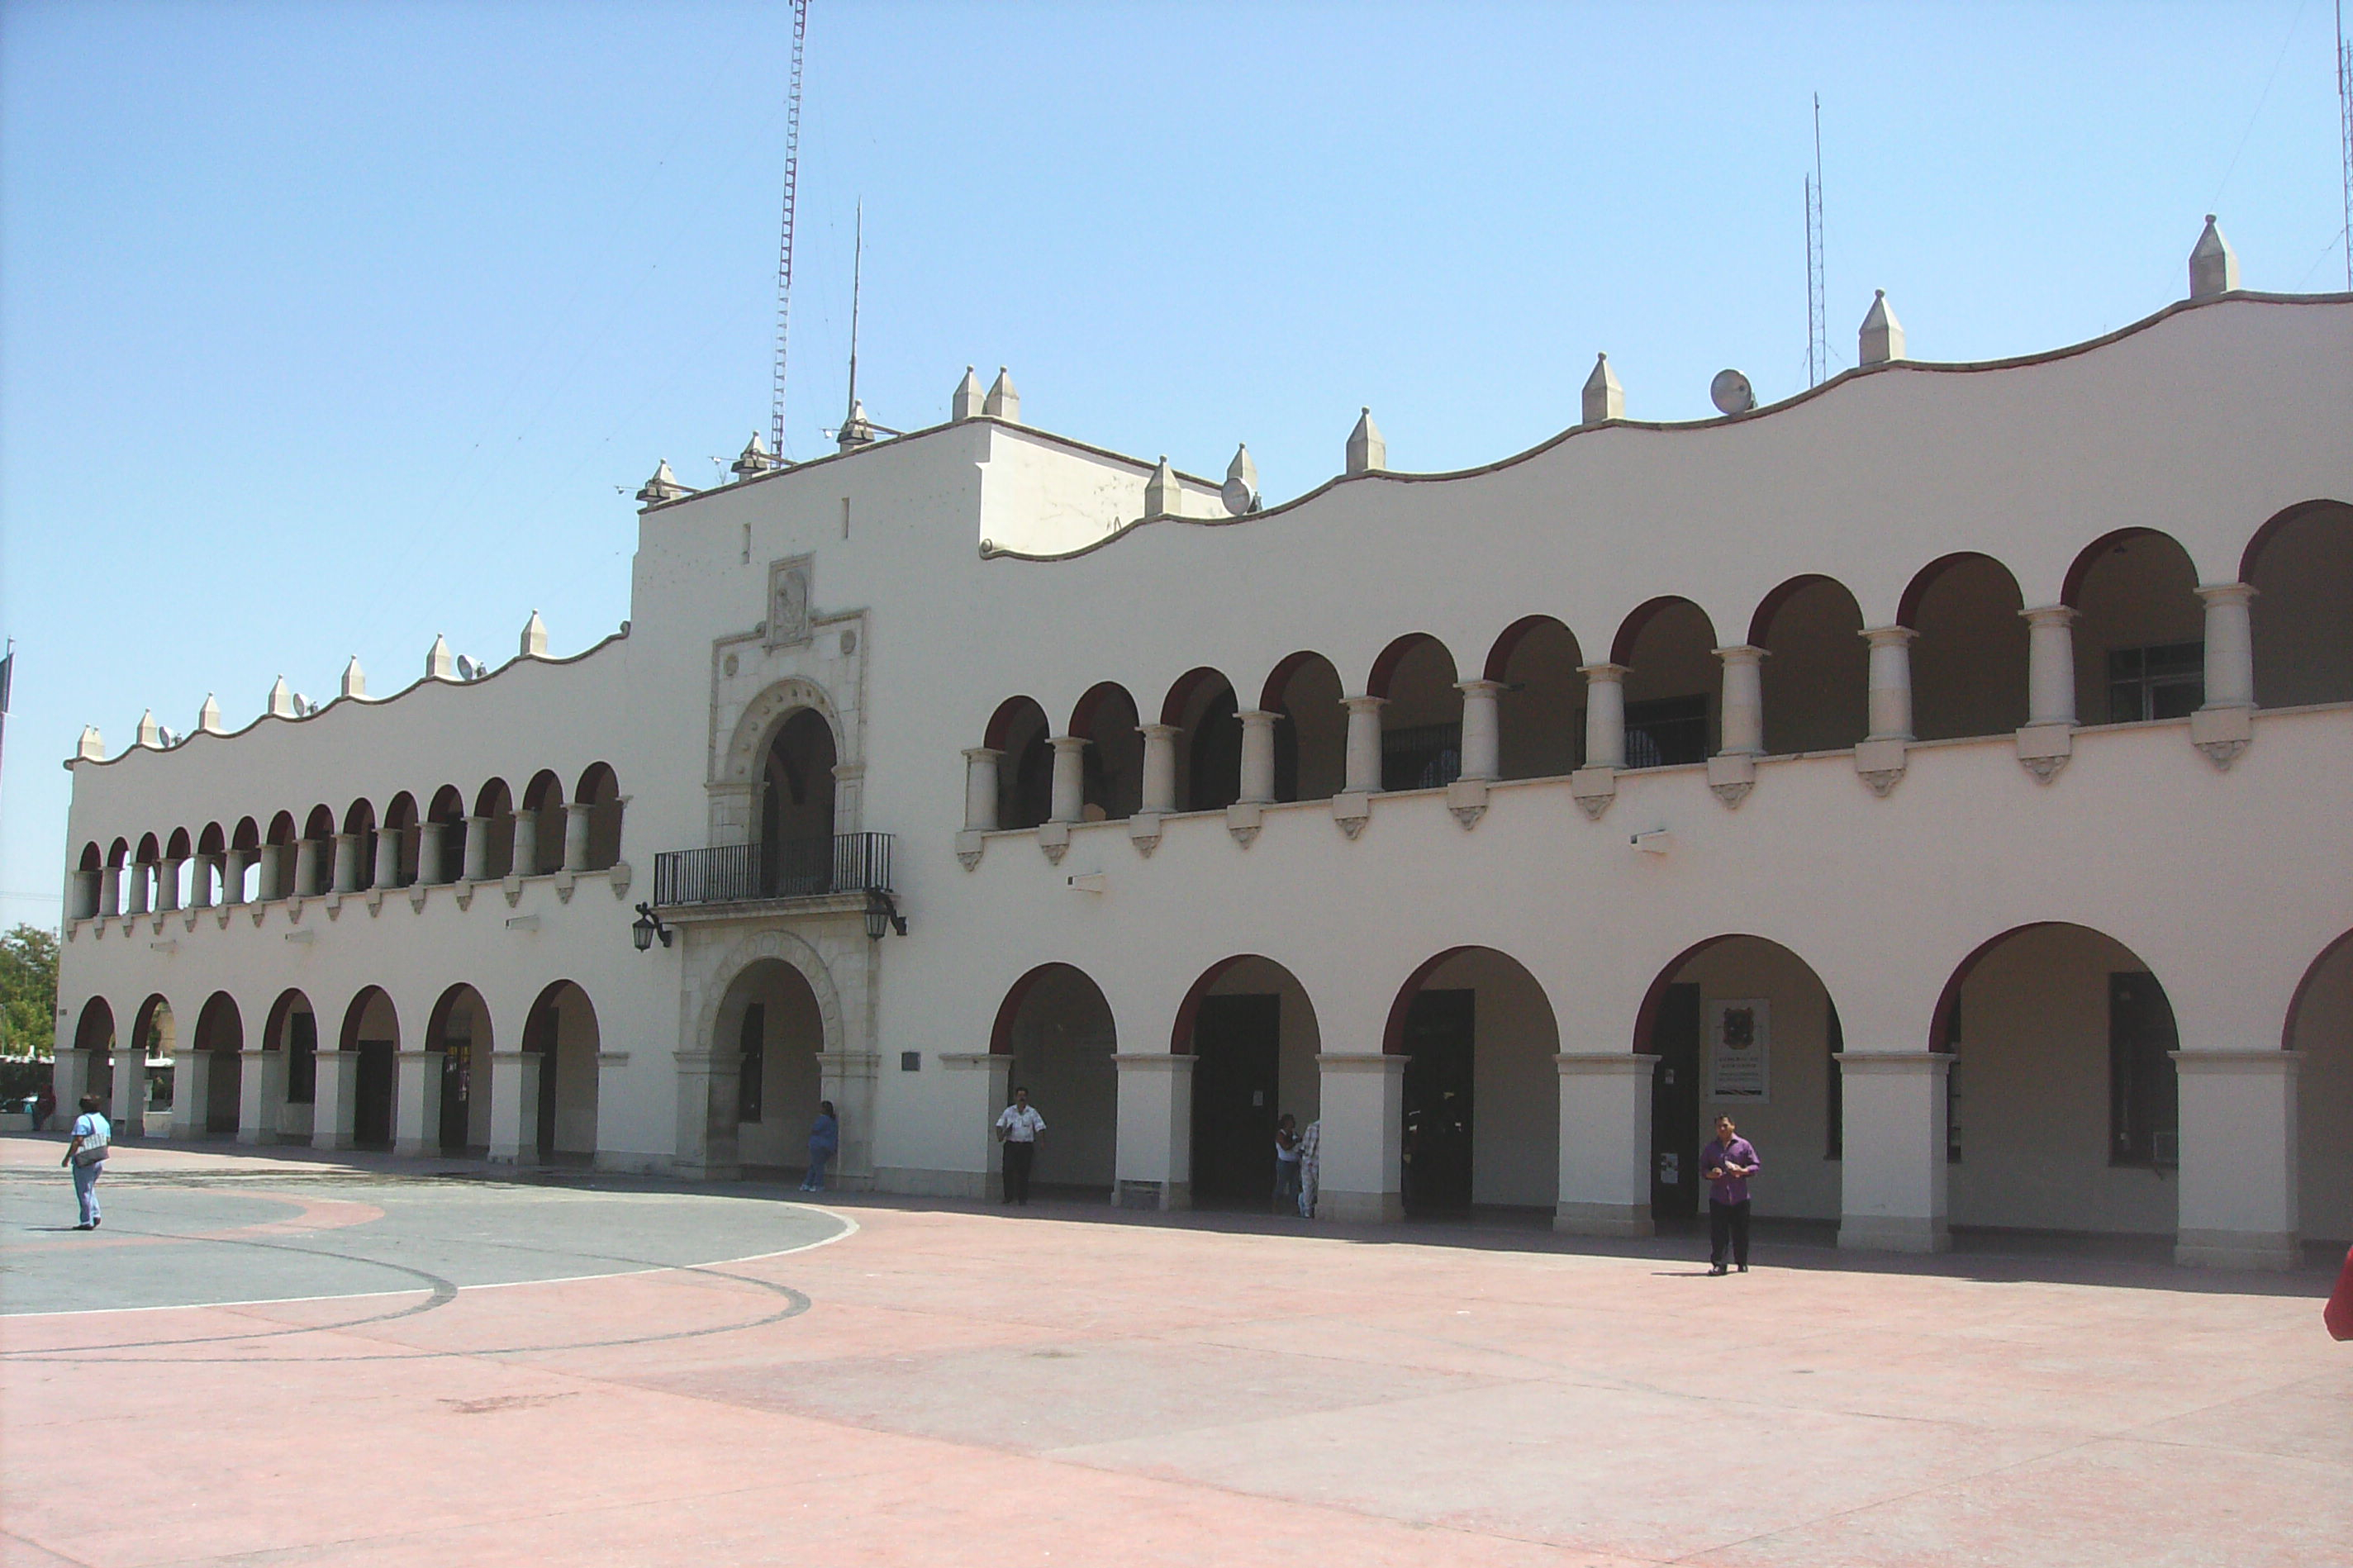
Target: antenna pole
x,y
1817,359
784,247
857,283
2345,112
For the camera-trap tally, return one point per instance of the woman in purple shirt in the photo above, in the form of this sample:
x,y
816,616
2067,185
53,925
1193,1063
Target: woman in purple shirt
x,y
1727,1163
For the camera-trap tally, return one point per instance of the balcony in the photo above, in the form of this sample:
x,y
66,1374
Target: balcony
x,y
847,864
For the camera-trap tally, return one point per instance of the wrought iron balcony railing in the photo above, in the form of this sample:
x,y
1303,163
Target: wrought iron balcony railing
x,y
797,869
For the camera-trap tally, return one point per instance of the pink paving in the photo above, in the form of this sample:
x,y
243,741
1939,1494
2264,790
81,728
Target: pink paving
x,y
971,1386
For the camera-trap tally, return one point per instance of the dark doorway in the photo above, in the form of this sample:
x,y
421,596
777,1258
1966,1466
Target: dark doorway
x,y
1440,1026
2144,1104
539,1038
371,1095
223,1085
456,1083
1237,1043
1675,1104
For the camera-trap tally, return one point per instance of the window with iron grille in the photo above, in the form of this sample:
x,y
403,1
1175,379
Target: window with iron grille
x,y
1666,732
2167,682
1428,756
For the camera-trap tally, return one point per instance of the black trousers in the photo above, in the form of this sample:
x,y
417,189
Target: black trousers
x,y
1018,1158
1727,1224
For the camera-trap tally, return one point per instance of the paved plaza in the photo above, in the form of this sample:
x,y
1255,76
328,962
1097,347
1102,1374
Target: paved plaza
x,y
275,1357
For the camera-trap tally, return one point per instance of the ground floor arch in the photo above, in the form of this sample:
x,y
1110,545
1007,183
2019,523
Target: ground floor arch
x,y
355,1101
207,1080
458,1030
1249,1031
282,1097
765,1072
1057,1026
2320,1031
560,1031
1478,1100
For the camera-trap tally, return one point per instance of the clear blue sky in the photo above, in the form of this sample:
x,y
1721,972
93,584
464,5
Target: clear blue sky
x,y
327,327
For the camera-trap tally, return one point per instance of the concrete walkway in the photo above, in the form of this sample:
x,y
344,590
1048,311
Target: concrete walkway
x,y
582,1370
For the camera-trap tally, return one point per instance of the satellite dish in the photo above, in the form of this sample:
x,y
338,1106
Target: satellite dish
x,y
303,706
1731,393
1240,499
467,669
169,737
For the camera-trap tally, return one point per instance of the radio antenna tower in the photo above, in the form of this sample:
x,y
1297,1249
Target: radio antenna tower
x,y
2345,112
1817,359
785,247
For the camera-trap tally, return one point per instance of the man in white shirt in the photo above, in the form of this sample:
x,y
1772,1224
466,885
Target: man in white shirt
x,y
1017,1130
86,1157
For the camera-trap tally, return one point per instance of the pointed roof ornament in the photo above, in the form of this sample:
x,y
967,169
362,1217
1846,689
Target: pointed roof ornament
x,y
757,460
91,748
151,734
1881,339
1604,398
964,403
1367,452
2213,265
281,700
1240,491
534,637
208,719
1161,491
355,683
662,487
857,430
1003,402
438,664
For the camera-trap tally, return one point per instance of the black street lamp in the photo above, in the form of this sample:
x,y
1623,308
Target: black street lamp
x,y
647,927
882,914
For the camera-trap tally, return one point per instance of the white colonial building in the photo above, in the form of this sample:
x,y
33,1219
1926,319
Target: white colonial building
x,y
1948,771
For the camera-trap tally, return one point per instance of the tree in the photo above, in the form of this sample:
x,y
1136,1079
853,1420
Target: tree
x,y
29,991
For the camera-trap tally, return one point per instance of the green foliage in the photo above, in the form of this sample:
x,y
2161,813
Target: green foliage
x,y
29,991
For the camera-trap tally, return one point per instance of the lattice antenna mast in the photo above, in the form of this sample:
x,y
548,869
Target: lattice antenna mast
x,y
2344,113
857,291
785,247
1818,360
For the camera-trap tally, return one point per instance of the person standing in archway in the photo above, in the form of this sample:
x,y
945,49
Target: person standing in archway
x,y
825,1143
1726,1163
1018,1128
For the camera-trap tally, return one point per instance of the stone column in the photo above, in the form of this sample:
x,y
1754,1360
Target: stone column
x,y
110,891
432,865
980,789
306,868
2230,645
135,887
524,862
417,1104
1257,755
331,1108
577,818
1159,767
233,865
387,857
1605,1143
2050,665
128,1112
2238,1200
1153,1156
1891,682
347,862
262,1095
847,1079
478,848
271,882
1743,702
86,896
1482,735
1069,778
706,1138
1605,715
1364,755
69,1081
1892,1165
192,1096
203,886
514,1105
1358,1153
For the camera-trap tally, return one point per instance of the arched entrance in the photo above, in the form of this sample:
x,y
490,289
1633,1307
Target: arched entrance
x,y
2301,567
93,1042
770,1030
290,1083
1743,1027
2063,1106
1480,1100
2320,1027
562,1030
1057,1026
458,1030
207,1103
796,807
2141,632
1250,1030
153,1037
370,1049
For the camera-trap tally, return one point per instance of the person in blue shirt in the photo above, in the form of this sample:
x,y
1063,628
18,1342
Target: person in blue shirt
x,y
1727,1163
825,1143
86,1157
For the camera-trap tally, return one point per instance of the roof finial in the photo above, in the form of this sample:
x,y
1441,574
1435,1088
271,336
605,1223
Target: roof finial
x,y
354,678
1881,338
966,403
150,733
91,748
1003,402
208,719
2213,265
1367,452
281,700
756,458
534,637
1604,398
662,487
1161,491
438,665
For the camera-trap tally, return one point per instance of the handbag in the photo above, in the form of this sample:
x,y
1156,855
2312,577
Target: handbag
x,y
92,1154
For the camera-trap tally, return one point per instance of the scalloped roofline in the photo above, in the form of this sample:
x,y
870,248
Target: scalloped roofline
x,y
227,735
1902,366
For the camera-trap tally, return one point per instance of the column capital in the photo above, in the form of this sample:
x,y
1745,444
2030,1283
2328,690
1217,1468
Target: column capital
x,y
1614,673
1742,653
1153,1061
1359,1061
1364,703
1603,1064
2226,593
1256,716
1159,732
981,754
1067,743
2050,616
1888,636
1480,687
1918,1063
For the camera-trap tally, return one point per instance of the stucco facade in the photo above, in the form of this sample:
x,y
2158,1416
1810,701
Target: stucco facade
x,y
1972,743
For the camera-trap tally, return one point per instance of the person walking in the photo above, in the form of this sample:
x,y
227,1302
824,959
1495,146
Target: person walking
x,y
1018,1128
1286,1162
1726,1163
1311,1167
825,1143
86,1156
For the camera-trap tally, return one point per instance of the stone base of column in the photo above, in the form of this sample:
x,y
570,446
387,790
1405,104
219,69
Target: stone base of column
x,y
1892,1233
2269,1250
1602,1219
1165,1197
700,1171
1358,1209
921,1182
415,1148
